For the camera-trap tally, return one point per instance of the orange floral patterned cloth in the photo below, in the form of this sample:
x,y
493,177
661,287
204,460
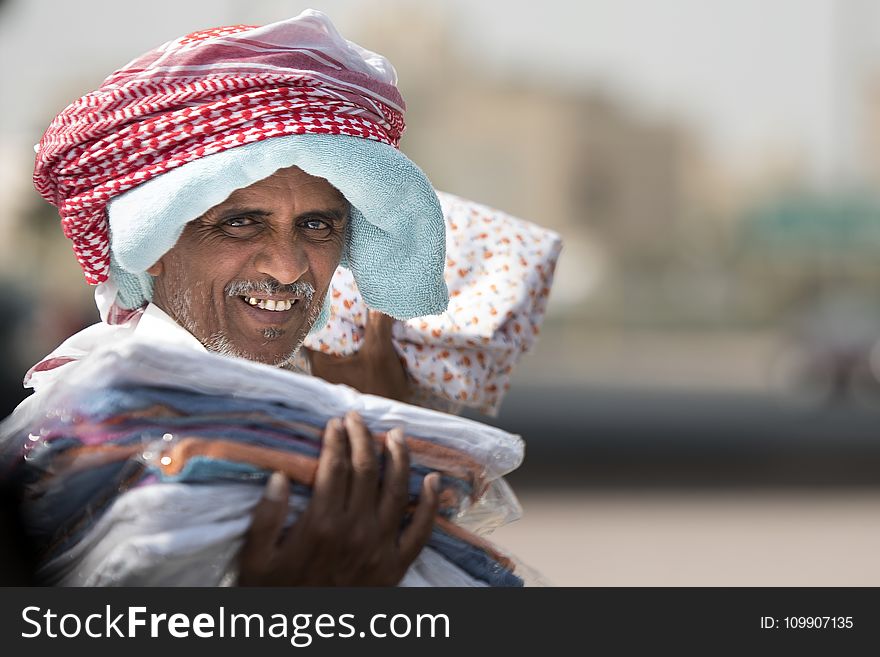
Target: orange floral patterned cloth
x,y
499,271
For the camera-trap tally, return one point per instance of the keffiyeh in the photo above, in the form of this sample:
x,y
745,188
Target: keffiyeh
x,y
290,93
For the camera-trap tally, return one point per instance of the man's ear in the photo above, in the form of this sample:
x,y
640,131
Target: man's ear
x,y
156,268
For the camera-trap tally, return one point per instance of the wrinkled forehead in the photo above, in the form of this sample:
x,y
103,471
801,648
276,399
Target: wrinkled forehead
x,y
291,188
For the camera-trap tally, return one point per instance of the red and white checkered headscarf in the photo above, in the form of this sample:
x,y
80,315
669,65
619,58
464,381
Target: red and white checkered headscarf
x,y
202,94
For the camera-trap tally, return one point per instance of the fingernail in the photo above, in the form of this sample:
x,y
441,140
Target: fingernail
x,y
352,416
276,489
435,482
396,436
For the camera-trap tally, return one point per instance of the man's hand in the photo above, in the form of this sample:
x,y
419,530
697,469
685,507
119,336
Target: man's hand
x,y
375,368
349,535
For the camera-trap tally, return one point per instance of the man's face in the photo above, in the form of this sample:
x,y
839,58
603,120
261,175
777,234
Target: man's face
x,y
248,277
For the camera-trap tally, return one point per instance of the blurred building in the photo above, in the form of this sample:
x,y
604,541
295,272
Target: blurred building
x,y
619,186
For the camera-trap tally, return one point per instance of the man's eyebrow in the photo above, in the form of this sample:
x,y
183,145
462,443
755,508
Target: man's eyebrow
x,y
334,214
239,211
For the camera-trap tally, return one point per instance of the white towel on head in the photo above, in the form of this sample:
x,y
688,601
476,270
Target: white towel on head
x,y
396,246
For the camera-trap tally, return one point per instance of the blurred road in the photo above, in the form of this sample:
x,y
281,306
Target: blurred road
x,y
625,487
579,436
748,537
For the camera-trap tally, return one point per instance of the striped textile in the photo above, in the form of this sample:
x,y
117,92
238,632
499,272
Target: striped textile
x,y
202,94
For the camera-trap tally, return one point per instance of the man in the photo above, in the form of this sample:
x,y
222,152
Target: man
x,y
242,280
211,188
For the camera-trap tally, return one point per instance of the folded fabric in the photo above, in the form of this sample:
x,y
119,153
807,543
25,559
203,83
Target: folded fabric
x,y
142,541
132,414
105,432
132,362
499,270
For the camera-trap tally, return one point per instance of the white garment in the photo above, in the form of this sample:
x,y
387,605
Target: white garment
x,y
153,325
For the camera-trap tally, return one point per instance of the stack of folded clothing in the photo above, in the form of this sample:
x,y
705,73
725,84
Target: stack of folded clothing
x,y
141,467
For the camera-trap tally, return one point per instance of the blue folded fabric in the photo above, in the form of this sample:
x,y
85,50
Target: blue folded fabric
x,y
397,244
67,509
64,513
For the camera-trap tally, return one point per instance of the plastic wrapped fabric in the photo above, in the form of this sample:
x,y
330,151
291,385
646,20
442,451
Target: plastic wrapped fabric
x,y
125,458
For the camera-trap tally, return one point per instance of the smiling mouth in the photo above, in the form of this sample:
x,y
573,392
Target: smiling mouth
x,y
275,305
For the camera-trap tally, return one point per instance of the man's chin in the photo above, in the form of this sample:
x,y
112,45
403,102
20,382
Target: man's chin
x,y
276,356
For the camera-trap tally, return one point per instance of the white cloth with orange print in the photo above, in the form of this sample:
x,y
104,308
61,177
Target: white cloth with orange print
x,y
499,270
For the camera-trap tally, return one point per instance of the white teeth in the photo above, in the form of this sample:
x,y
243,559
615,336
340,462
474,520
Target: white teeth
x,y
270,304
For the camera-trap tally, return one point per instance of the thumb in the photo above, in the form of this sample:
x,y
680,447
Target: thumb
x,y
267,521
377,332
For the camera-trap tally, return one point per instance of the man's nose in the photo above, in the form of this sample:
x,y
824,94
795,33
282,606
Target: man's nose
x,y
282,260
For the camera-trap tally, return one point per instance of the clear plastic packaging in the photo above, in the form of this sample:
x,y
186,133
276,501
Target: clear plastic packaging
x,y
142,463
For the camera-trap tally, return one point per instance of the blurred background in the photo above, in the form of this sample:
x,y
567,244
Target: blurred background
x,y
704,403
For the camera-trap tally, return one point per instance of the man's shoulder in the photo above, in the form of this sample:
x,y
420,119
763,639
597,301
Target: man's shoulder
x,y
74,348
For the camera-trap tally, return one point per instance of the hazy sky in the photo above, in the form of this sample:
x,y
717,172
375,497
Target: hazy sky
x,y
752,75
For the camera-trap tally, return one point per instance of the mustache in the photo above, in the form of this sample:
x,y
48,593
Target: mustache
x,y
270,286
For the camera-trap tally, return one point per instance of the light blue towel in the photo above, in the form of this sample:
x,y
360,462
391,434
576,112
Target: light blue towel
x,y
397,244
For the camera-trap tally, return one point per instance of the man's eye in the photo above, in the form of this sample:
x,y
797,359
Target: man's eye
x,y
239,222
315,224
